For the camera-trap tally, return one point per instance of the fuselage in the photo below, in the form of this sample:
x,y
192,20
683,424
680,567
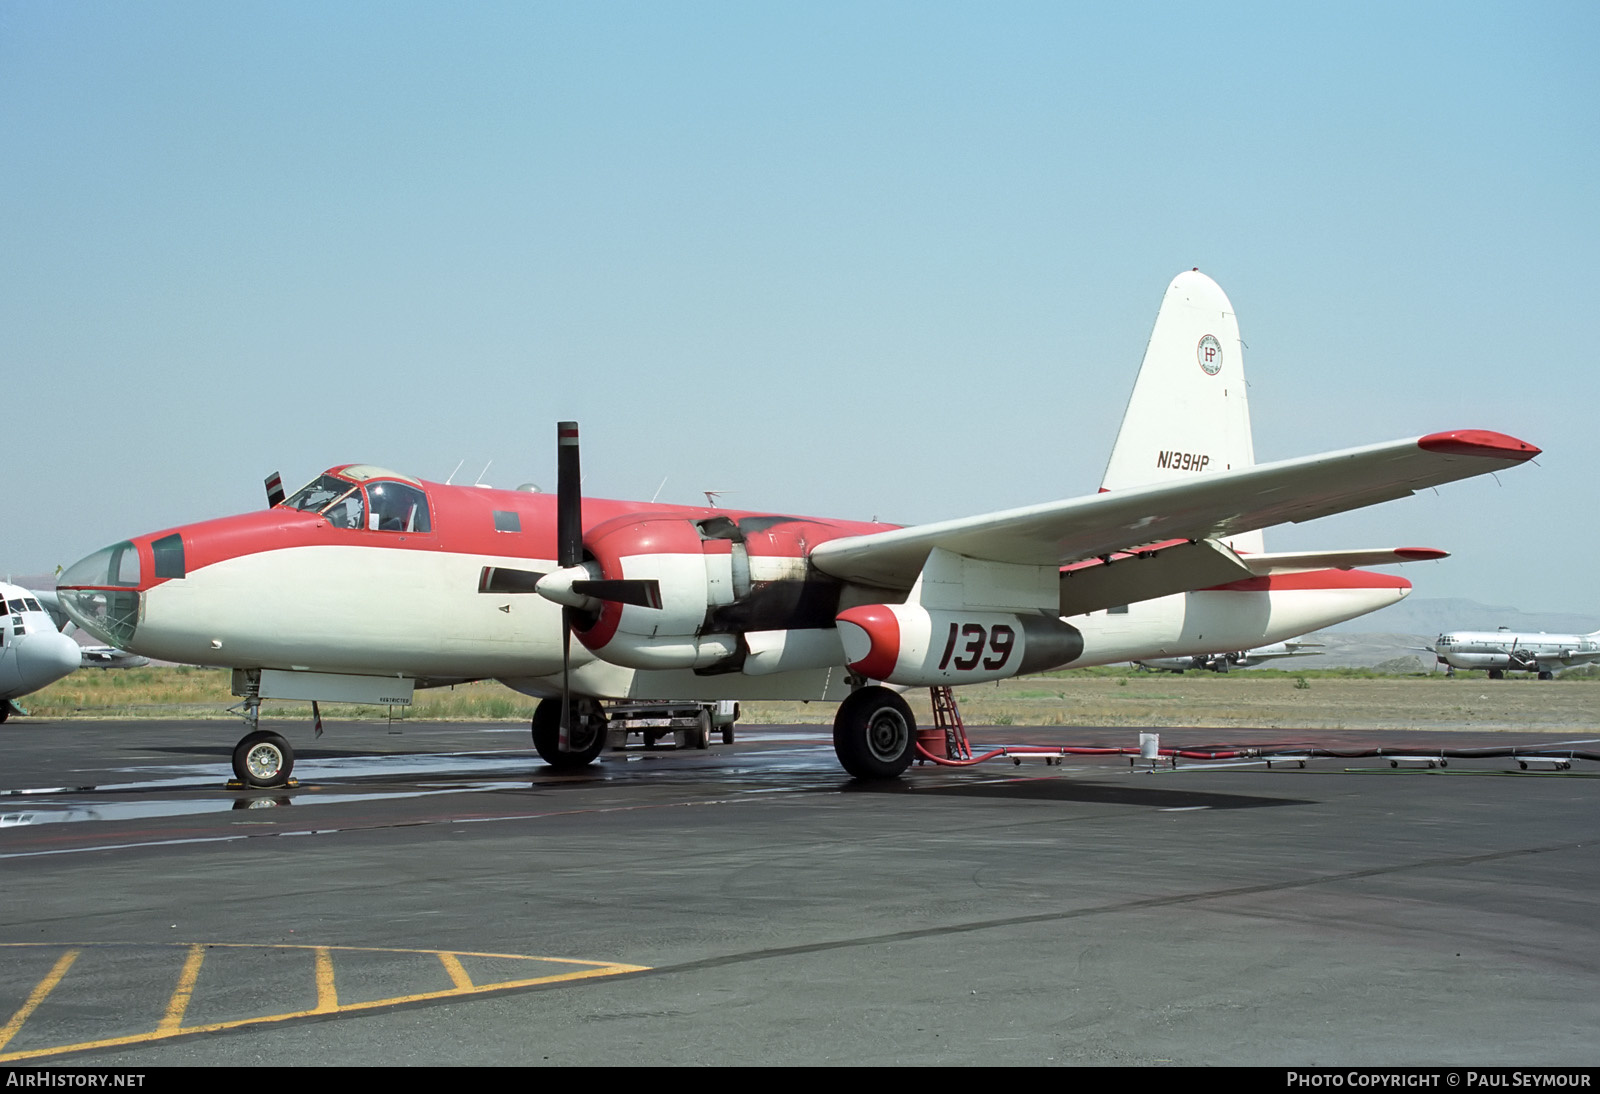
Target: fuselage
x,y
369,573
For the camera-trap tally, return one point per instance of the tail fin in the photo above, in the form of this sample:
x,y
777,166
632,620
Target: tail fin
x,y
1189,413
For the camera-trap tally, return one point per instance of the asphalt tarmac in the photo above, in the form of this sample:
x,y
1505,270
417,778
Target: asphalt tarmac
x,y
431,894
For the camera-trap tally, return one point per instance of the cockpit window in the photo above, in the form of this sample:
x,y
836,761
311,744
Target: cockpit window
x,y
318,494
33,605
397,507
385,505
347,511
339,501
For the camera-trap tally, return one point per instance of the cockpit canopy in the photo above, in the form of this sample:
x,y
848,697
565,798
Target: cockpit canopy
x,y
387,502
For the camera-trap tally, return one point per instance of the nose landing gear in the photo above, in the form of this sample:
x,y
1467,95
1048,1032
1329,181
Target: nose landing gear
x,y
262,758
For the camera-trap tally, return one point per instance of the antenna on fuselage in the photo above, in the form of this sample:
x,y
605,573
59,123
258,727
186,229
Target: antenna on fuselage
x,y
459,462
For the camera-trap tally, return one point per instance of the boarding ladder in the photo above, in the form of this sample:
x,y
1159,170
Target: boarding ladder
x,y
947,716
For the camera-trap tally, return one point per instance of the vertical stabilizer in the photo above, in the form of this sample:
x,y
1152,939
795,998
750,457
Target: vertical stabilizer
x,y
1189,414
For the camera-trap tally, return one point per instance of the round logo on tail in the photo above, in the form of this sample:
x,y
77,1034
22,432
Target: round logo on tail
x,y
1210,354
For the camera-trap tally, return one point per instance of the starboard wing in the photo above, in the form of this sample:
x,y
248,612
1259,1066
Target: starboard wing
x,y
1206,506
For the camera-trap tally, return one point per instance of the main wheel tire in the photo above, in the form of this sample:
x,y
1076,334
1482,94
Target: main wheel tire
x,y
263,759
875,733
702,730
587,738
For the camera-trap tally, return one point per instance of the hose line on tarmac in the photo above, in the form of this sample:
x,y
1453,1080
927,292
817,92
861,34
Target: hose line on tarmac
x,y
1266,752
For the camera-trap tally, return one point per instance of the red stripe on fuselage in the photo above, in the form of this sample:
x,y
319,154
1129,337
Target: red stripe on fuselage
x,y
463,523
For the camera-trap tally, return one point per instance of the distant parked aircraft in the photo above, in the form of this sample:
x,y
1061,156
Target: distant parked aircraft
x,y
33,653
1237,659
1517,651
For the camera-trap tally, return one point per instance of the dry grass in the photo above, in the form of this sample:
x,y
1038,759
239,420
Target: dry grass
x,y
1103,698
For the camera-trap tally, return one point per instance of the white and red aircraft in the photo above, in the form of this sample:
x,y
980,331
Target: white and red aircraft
x,y
366,583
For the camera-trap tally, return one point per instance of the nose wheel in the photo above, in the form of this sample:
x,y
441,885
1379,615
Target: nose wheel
x,y
263,759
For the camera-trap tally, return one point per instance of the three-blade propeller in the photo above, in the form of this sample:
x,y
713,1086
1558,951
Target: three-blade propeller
x,y
576,586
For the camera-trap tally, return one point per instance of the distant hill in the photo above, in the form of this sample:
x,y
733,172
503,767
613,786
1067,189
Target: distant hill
x,y
1377,649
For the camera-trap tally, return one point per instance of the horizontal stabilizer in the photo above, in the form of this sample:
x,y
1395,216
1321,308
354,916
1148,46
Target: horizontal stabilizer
x,y
1293,562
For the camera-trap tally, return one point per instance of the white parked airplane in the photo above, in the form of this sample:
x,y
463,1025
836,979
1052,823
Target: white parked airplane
x,y
33,653
1503,650
1236,659
366,583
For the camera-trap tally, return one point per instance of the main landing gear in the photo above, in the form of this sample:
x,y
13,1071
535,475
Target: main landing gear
x,y
584,741
875,733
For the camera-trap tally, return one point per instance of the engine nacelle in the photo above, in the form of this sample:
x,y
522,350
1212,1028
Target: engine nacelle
x,y
735,595
914,646
692,579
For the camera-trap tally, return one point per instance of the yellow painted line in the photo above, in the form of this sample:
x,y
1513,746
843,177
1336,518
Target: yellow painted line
x,y
327,997
458,975
327,1000
311,946
42,989
179,1002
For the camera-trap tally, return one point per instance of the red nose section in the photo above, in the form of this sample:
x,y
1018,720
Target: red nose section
x,y
871,638
1478,442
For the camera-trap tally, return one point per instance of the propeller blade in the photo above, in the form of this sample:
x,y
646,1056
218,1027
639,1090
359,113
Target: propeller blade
x,y
275,494
564,738
644,593
502,579
569,553
569,497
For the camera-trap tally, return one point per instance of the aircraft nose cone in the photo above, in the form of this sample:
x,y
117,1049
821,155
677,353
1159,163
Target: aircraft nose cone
x,y
45,657
100,593
62,653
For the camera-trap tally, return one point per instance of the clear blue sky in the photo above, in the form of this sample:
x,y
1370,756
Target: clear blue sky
x,y
854,260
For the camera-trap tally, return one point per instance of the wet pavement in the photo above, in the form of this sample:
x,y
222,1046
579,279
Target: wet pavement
x,y
431,893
